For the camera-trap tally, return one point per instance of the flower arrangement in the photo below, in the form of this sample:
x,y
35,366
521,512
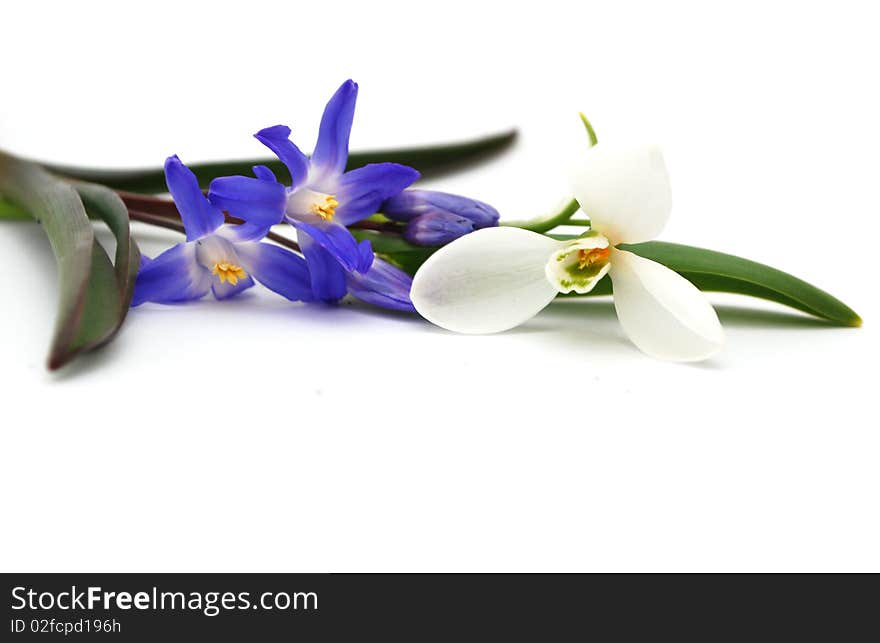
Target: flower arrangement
x,y
363,231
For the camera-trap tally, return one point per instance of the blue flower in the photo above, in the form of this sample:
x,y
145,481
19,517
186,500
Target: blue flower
x,y
322,198
382,285
436,229
437,218
222,258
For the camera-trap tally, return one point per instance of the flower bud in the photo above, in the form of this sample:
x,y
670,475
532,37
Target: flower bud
x,y
436,228
415,203
382,285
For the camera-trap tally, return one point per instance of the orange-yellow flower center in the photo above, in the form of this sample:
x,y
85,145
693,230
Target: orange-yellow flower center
x,y
592,256
228,272
325,208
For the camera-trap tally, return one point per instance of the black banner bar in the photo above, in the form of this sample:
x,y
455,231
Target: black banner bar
x,y
413,607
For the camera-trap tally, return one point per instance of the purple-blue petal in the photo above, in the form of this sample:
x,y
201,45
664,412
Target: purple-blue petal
x,y
366,256
331,151
412,203
243,232
334,238
253,200
277,139
264,173
436,229
383,285
199,216
174,276
226,289
362,191
279,270
327,276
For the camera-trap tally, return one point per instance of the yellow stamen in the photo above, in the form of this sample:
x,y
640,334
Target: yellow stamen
x,y
228,272
593,256
327,208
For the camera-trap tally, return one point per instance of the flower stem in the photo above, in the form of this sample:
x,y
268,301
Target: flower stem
x,y
556,217
562,214
165,208
169,223
591,133
156,220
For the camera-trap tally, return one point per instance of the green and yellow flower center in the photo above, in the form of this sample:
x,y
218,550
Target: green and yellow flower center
x,y
228,272
579,264
589,258
326,207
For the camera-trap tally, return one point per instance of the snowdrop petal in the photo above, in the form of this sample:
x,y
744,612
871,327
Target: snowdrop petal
x,y
624,191
485,282
663,313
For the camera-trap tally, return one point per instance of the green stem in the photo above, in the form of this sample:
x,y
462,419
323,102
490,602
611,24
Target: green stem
x,y
563,213
556,217
162,221
591,133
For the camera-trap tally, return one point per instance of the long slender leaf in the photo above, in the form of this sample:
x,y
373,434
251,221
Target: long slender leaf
x,y
719,272
11,212
706,269
104,203
428,160
90,306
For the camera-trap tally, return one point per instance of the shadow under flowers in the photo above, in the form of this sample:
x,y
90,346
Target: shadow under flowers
x,y
730,315
589,327
744,316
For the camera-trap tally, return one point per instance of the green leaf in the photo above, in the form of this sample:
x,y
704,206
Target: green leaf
x,y
104,203
90,303
11,212
396,249
384,243
706,269
428,160
719,272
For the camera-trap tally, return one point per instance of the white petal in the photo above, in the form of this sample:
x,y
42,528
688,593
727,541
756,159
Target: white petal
x,y
213,249
624,191
486,281
663,313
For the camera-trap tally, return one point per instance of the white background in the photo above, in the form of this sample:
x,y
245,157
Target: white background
x,y
267,436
